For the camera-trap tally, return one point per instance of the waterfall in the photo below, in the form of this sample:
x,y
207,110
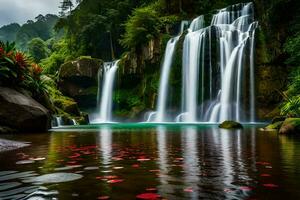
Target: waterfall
x,y
217,92
218,72
106,96
160,114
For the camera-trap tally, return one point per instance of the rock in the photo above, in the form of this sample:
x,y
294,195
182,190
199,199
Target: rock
x,y
8,145
67,105
278,119
274,126
231,125
290,126
79,79
23,113
5,129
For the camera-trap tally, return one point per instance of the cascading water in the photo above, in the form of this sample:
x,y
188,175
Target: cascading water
x,y
218,69
160,114
106,95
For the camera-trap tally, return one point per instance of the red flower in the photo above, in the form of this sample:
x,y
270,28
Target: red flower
x,y
36,69
20,59
1,51
9,54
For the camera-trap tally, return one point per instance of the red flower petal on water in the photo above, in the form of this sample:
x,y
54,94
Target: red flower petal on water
x,y
227,190
148,196
103,197
117,158
263,163
115,181
151,189
188,190
72,162
111,177
118,167
76,155
246,188
143,159
265,175
154,170
270,185
135,165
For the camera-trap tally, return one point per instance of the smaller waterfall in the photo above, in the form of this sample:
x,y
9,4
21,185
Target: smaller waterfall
x,y
105,101
74,122
197,24
164,80
58,122
160,114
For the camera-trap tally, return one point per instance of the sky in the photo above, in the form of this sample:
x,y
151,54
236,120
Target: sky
x,y
22,10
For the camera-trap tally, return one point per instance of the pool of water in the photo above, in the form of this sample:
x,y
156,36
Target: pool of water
x,y
151,162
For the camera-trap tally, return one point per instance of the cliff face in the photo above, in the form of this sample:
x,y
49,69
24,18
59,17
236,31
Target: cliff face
x,y
277,20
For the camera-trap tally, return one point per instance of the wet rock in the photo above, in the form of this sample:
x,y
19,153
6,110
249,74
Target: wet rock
x,y
79,79
290,126
8,145
22,113
278,119
274,126
231,125
5,129
54,178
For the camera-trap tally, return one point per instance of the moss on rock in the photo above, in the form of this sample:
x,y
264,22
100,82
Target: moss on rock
x,y
274,126
290,126
230,125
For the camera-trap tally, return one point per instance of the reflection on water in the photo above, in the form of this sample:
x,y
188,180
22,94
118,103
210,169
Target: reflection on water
x,y
105,137
185,162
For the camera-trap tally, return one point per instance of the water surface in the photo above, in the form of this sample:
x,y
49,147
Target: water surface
x,y
163,162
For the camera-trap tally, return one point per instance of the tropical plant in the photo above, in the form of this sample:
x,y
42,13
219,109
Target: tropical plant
x,y
13,64
291,107
16,69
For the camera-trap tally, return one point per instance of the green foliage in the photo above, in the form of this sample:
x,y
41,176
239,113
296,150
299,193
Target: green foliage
x,y
291,107
42,28
37,49
13,65
16,69
142,26
60,54
9,32
292,47
94,27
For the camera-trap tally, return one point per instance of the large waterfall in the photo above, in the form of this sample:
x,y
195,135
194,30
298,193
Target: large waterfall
x,y
105,96
217,67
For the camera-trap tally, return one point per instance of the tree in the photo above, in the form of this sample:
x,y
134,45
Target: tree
x,y
66,5
37,49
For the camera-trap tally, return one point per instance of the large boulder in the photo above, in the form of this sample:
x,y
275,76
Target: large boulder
x,y
290,126
231,125
79,79
22,113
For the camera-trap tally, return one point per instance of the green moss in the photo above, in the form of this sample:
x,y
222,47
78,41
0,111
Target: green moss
x,y
231,125
290,126
275,126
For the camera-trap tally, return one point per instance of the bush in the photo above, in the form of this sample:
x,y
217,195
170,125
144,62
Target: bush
x,y
141,27
17,70
60,54
291,105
